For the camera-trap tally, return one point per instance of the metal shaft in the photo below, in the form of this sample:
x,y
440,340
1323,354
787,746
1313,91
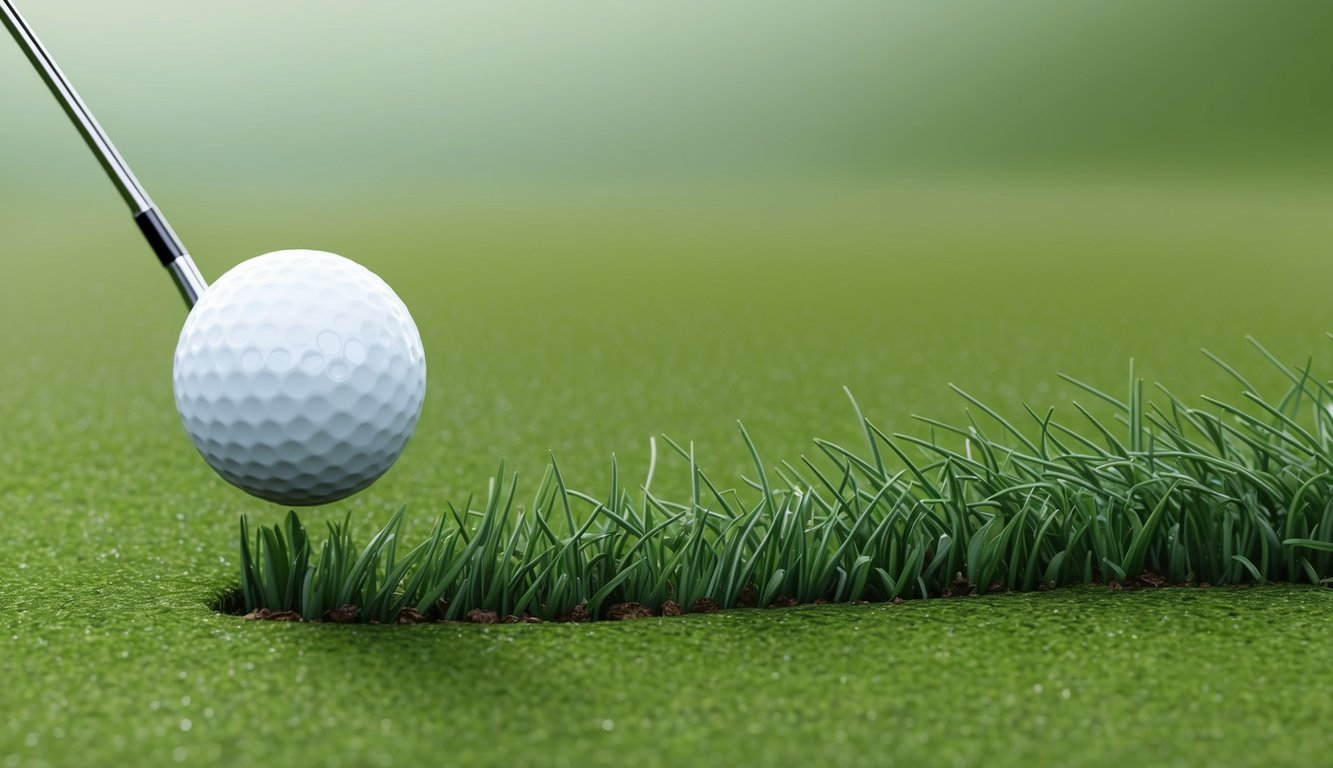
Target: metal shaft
x,y
164,241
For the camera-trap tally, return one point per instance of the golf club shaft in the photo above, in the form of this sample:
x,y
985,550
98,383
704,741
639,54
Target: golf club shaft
x,y
154,226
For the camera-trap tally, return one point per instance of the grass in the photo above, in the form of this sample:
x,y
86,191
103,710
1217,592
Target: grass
x,y
1212,494
951,681
579,324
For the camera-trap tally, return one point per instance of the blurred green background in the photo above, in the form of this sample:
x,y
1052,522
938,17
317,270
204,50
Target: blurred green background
x,y
613,220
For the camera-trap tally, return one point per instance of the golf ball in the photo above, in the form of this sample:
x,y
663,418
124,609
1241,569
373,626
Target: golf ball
x,y
299,376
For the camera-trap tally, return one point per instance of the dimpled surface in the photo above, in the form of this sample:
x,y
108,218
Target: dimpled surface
x,y
299,376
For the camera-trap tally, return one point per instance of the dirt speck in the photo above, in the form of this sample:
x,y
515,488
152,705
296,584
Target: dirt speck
x,y
1150,579
626,611
959,587
747,598
411,616
578,613
705,605
264,614
343,614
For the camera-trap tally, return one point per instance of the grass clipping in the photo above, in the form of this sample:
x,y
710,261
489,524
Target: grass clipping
x,y
1166,494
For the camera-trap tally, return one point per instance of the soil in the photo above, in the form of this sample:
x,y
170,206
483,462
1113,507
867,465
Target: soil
x,y
411,616
626,611
705,605
350,614
343,614
1147,579
264,614
959,587
1150,579
578,613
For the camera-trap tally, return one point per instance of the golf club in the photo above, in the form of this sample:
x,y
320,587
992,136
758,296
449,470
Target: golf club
x,y
168,247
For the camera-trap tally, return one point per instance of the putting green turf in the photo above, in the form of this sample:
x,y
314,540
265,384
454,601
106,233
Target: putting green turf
x,y
582,322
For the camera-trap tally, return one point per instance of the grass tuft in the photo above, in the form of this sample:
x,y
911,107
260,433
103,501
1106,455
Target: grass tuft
x,y
1163,493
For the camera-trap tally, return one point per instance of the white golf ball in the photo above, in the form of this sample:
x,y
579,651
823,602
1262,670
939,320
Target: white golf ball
x,y
299,376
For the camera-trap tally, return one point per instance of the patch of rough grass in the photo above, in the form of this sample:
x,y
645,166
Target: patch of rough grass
x,y
1168,493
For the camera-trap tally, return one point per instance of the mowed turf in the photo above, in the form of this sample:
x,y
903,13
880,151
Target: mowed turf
x,y
581,322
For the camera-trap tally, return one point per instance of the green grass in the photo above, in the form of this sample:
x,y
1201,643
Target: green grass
x,y
1169,677
582,323
1179,494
